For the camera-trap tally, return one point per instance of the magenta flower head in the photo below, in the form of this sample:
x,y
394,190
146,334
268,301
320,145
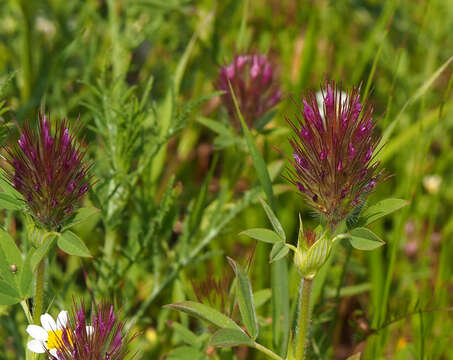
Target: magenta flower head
x,y
48,169
333,163
253,80
99,338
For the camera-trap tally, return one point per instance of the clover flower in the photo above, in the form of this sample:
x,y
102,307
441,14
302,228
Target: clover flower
x,y
48,169
102,339
253,80
333,165
48,337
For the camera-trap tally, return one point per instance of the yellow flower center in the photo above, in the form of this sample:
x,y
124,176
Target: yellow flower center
x,y
55,339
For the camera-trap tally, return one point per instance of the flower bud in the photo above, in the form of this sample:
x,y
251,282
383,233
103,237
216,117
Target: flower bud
x,y
311,253
48,168
254,82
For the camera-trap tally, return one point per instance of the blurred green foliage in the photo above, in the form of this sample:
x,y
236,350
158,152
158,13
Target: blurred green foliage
x,y
140,73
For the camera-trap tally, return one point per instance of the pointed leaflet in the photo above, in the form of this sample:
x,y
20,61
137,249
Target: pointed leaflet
x,y
42,251
273,219
82,214
279,251
265,235
230,337
71,244
205,313
380,209
364,239
245,300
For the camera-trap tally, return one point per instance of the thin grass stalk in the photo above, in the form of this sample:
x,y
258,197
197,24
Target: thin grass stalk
x,y
27,60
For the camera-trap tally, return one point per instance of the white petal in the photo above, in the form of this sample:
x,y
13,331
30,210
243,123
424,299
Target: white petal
x,y
53,352
62,320
37,332
36,347
90,330
48,323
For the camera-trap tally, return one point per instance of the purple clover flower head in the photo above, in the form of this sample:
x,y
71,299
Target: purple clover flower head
x,y
99,338
47,168
253,79
335,139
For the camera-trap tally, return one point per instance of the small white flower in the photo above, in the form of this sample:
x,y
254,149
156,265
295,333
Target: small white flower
x,y
48,336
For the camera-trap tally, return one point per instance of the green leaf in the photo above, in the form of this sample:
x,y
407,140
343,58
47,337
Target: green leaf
x,y
380,209
264,120
230,337
26,278
8,188
71,244
245,300
205,313
279,251
82,214
273,219
9,247
364,239
216,126
222,141
258,161
185,334
261,297
39,253
8,294
9,256
261,234
10,203
186,353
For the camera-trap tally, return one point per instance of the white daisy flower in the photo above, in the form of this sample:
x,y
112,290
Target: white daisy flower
x,y
48,336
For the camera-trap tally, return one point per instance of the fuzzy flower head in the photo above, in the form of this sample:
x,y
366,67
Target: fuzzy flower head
x,y
47,168
99,338
332,164
253,80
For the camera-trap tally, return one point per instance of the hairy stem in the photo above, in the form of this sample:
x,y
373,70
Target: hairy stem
x,y
38,299
304,318
267,351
